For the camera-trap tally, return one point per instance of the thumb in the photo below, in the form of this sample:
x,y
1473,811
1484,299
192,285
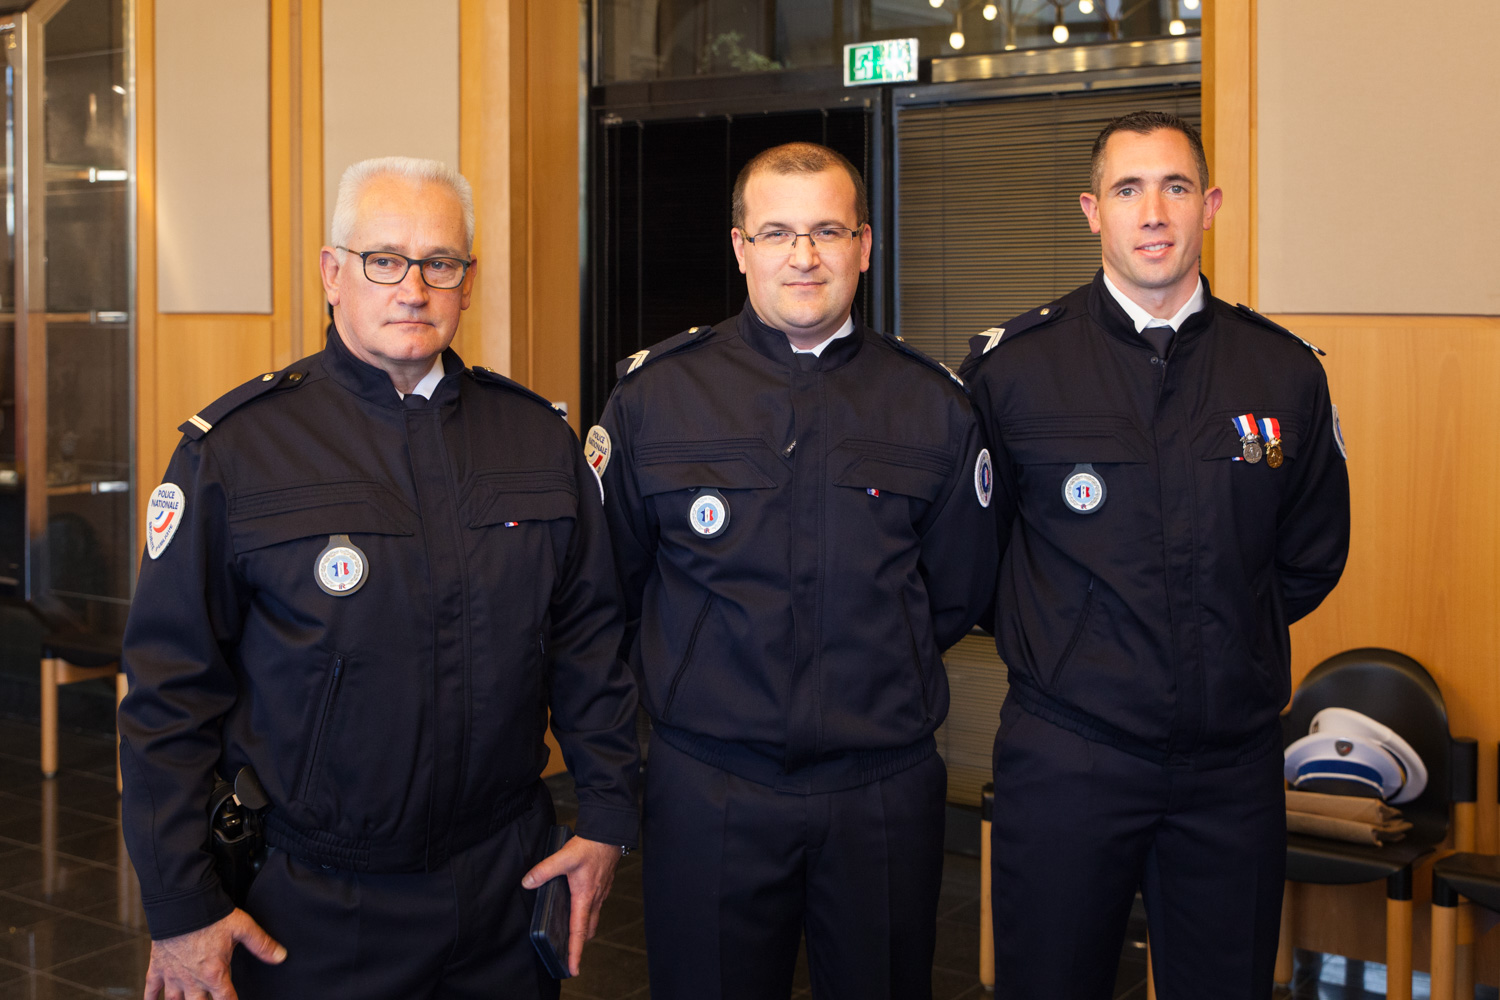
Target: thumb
x,y
546,870
257,942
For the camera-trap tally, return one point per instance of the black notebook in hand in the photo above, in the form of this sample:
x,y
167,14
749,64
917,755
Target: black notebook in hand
x,y
554,909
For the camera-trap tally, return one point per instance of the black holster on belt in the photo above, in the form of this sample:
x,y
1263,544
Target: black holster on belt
x,y
236,835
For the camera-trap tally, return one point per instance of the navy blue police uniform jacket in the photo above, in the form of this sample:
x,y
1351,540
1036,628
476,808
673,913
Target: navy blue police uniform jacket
x,y
1157,622
806,632
402,722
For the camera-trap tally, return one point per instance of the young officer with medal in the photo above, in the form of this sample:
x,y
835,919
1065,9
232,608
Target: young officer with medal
x,y
1171,495
799,508
369,576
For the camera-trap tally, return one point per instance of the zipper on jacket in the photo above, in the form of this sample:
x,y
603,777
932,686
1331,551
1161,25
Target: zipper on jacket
x,y
916,655
1083,619
687,657
317,741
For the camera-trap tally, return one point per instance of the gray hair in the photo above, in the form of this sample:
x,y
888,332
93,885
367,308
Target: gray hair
x,y
352,184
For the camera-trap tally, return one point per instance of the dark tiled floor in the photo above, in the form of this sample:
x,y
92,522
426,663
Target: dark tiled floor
x,y
71,924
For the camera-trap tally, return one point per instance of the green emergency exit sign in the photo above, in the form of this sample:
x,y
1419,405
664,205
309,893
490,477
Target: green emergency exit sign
x,y
890,61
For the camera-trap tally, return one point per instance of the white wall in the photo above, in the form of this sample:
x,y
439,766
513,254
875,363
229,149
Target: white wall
x,y
1379,135
390,84
213,172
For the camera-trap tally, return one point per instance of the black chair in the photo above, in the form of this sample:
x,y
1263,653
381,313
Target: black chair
x,y
1397,691
1466,875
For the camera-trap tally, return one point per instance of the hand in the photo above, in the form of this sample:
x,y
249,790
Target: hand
x,y
195,965
590,867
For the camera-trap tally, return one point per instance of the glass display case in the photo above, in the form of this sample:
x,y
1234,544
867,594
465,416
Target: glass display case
x,y
66,314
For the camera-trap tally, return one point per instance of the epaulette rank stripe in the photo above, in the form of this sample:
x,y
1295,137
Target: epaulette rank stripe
x,y
903,347
204,420
658,351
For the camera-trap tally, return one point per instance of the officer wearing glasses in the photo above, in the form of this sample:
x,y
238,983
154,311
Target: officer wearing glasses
x,y
798,509
369,576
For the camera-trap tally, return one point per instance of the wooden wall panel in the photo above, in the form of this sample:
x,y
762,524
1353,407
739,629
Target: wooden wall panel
x,y
1414,394
1229,139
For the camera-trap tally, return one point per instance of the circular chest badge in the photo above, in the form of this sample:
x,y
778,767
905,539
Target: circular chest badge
x,y
1084,490
341,567
709,513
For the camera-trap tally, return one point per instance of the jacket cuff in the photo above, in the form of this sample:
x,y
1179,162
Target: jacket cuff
x,y
620,827
183,912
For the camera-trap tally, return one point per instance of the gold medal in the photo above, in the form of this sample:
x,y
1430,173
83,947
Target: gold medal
x,y
1273,453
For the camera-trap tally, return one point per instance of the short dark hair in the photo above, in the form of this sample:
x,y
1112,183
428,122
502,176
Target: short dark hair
x,y
797,158
1144,123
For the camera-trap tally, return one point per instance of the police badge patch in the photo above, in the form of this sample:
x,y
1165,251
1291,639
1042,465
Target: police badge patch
x,y
163,516
709,514
984,478
341,568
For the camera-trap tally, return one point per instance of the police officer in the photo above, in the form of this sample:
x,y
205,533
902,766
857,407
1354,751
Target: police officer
x,y
368,578
1171,495
799,511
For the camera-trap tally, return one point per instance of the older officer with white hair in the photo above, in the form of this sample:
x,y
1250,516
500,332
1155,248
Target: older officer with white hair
x,y
369,576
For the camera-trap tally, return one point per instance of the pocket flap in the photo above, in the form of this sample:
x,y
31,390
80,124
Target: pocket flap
x,y
726,465
864,471
498,505
271,517
1220,441
1074,449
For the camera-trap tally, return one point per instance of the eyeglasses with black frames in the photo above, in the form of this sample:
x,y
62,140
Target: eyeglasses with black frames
x,y
385,267
832,237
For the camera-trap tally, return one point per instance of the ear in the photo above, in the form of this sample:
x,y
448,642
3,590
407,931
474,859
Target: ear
x,y
466,290
866,241
1212,202
329,267
738,239
1090,206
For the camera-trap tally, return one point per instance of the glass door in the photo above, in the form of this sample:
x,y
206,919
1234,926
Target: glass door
x,y
69,194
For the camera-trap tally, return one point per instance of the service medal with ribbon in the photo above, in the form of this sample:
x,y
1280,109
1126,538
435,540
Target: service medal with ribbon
x,y
1271,427
1250,449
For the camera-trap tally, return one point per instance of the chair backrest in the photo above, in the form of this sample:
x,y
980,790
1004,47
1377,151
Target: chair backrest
x,y
1396,690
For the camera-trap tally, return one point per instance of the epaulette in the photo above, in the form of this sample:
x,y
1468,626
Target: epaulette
x,y
204,420
1251,314
488,376
904,348
657,351
982,344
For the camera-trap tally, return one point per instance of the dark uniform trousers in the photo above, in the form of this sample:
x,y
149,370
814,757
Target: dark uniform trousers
x,y
460,932
735,871
1079,826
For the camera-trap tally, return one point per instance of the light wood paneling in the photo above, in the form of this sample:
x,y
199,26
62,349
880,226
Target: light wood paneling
x,y
1229,139
1414,394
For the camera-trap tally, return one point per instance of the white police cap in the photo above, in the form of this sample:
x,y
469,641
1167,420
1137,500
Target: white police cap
x,y
1344,745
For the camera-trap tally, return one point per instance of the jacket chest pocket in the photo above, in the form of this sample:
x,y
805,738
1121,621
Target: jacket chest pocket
x,y
1072,466
876,476
279,533
520,515
1255,488
676,476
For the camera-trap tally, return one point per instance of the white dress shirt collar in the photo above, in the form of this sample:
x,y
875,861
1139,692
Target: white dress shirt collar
x,y
817,351
429,381
1142,319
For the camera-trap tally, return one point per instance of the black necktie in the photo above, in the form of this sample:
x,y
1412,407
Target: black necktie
x,y
414,401
1158,337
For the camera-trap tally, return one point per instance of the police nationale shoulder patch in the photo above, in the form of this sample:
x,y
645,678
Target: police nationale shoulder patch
x,y
984,477
596,449
1338,433
164,512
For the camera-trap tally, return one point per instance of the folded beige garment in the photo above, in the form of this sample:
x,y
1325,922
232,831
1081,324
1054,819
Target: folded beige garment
x,y
1350,807
1349,830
